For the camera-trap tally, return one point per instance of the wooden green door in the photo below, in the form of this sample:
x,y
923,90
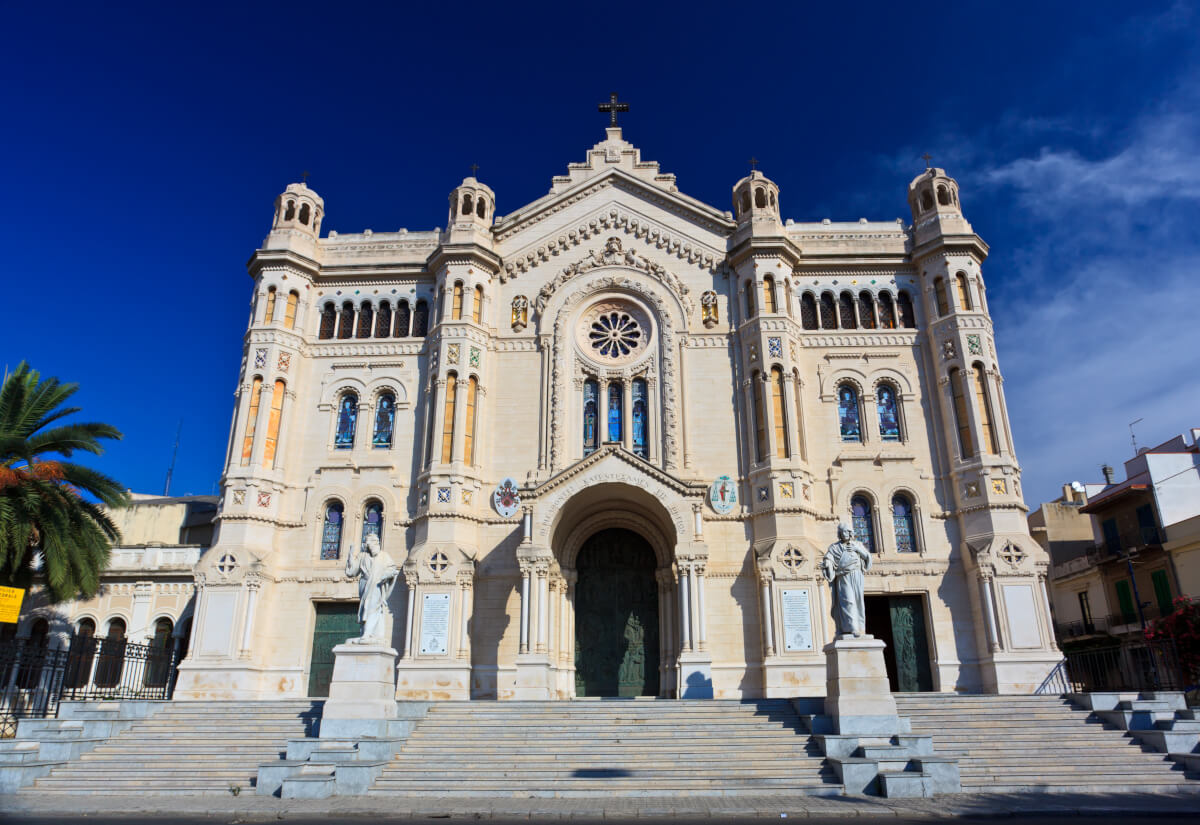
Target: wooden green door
x,y
336,622
1125,602
1162,591
910,645
616,617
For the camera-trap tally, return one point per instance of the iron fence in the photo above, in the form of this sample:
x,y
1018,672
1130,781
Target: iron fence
x,y
1147,666
35,678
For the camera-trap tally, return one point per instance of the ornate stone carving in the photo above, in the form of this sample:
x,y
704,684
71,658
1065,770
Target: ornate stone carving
x,y
614,255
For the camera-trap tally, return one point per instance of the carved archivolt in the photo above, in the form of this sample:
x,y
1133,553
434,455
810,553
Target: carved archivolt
x,y
614,255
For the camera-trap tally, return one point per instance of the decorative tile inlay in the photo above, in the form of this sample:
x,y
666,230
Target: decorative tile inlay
x,y
792,350
791,557
438,562
973,345
260,358
775,347
763,494
753,352
1012,554
948,351
474,357
264,499
285,361
227,564
787,489
443,495
452,354
998,486
239,496
972,489
466,494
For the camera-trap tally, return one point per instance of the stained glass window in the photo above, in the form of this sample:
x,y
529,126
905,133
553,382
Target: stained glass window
x,y
331,533
769,295
615,414
615,334
328,321
887,311
385,420
866,309
469,425
420,320
273,423
848,422
373,521
383,320
939,292
846,310
965,444
902,523
591,393
828,314
477,307
907,319
347,418
251,419
457,302
864,530
964,290
778,413
269,312
289,315
808,311
760,421
986,421
889,416
448,417
639,417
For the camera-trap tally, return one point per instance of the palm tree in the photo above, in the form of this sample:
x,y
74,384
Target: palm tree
x,y
43,509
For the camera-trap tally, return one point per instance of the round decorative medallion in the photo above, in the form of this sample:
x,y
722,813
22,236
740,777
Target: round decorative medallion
x,y
614,332
722,495
506,499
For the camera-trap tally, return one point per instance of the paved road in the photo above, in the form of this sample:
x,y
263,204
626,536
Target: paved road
x,y
334,819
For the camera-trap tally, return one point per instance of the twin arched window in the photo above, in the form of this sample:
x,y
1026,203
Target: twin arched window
x,y
333,527
383,431
867,311
850,414
368,321
450,404
274,421
903,522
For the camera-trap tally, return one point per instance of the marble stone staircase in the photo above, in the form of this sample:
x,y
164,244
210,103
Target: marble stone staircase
x,y
187,748
1038,743
608,747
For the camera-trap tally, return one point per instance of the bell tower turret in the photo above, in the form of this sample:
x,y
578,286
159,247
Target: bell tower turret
x,y
297,223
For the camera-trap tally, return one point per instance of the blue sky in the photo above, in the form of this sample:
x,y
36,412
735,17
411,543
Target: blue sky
x,y
144,146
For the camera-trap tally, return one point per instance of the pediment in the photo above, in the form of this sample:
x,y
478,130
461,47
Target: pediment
x,y
614,464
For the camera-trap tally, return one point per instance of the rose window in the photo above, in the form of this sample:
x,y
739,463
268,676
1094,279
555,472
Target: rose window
x,y
615,334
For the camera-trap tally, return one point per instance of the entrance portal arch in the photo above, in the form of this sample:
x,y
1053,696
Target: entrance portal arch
x,y
616,616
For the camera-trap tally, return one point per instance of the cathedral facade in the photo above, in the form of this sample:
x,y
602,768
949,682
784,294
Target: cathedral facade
x,y
607,438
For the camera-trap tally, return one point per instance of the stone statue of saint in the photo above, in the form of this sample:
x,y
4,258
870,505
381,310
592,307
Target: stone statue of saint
x,y
843,566
377,575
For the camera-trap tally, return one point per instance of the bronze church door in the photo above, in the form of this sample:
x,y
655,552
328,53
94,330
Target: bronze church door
x,y
616,616
899,622
336,623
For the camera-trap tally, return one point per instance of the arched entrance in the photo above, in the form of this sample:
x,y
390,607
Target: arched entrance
x,y
616,616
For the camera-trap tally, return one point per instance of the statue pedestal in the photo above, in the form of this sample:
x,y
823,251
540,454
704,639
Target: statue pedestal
x,y
857,694
363,685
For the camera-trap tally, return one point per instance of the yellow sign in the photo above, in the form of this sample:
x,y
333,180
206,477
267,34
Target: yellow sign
x,y
10,603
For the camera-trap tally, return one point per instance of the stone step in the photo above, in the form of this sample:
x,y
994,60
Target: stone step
x,y
667,793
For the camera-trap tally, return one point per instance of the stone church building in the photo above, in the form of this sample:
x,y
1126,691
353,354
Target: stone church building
x,y
608,437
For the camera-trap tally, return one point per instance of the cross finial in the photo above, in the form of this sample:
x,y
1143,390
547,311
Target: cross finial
x,y
753,163
304,177
474,169
612,107
928,157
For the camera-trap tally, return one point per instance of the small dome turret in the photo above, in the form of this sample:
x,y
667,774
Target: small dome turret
x,y
472,203
299,208
755,197
933,192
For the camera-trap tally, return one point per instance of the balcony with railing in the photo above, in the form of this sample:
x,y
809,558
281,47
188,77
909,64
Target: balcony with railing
x,y
1141,538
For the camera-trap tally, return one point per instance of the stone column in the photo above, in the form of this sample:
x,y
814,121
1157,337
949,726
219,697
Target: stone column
x,y
627,414
466,602
410,582
259,446
526,569
701,621
439,421
654,420
989,613
542,602
768,615
571,577
685,636
252,587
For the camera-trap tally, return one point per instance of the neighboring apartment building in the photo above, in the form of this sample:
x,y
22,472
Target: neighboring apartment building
x,y
1122,552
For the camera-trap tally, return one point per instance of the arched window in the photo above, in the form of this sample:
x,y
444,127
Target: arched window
x,y
908,319
779,413
269,312
420,321
468,205
887,311
959,400
430,422
889,413
305,211
769,304
328,321
331,532
456,305
469,431
385,421
988,437
112,655
289,315
866,309
477,307
365,317
591,401
158,660
749,292
251,419
448,417
615,412
83,653
290,212
964,291
846,310
828,313
808,311
346,322
760,419
481,208
760,198
926,200
939,293
902,524
745,201
373,521
402,319
383,320
273,424
864,528
29,674
347,418
639,417
849,427
943,196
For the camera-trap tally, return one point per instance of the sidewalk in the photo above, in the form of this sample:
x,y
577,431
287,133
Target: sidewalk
x,y
253,808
